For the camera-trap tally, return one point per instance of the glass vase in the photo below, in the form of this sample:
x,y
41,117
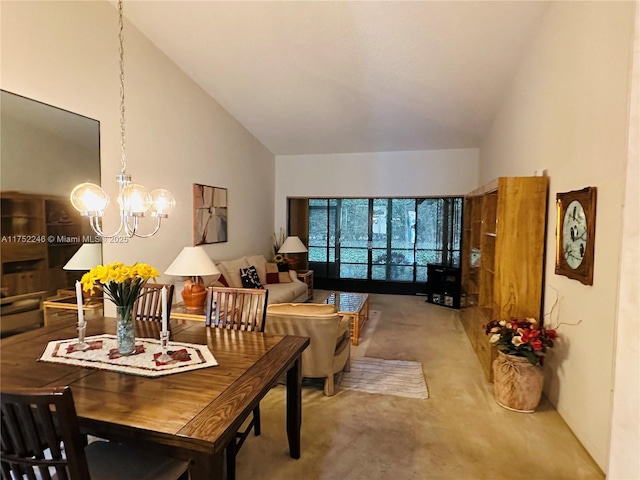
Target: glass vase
x,y
126,331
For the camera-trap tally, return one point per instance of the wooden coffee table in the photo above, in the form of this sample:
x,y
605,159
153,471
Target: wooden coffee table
x,y
355,304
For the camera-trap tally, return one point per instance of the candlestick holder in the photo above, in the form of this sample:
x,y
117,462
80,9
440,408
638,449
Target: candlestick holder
x,y
82,345
164,344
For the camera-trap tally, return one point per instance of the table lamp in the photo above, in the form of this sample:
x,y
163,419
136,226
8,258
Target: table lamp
x,y
88,256
292,245
195,263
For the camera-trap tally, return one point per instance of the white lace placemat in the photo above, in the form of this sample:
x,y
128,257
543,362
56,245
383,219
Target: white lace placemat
x,y
103,354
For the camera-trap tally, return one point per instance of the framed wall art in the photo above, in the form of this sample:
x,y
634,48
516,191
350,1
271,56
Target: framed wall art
x,y
575,234
210,215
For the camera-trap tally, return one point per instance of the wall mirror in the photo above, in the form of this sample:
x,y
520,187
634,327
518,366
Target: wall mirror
x,y
45,152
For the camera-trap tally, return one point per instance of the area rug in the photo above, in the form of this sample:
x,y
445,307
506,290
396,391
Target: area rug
x,y
387,377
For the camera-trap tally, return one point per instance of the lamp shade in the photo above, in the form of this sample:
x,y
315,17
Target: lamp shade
x,y
292,245
88,256
192,262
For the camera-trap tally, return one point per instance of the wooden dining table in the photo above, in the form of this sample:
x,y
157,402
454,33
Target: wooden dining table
x,y
189,415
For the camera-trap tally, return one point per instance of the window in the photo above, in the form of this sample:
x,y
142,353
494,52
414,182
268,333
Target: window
x,y
383,239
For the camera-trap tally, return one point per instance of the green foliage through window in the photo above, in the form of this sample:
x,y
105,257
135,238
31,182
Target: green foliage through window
x,y
390,239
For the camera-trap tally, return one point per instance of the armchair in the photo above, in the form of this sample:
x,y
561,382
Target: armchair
x,y
329,350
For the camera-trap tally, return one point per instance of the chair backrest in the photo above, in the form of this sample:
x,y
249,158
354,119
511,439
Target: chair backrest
x,y
236,308
149,305
37,426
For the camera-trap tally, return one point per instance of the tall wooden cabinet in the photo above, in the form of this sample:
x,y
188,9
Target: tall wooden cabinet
x,y
502,256
24,248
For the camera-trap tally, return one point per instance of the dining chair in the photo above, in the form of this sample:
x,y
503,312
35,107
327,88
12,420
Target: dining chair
x,y
41,439
149,305
237,309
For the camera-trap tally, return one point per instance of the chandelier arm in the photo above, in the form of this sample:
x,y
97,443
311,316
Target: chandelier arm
x,y
148,235
131,230
95,225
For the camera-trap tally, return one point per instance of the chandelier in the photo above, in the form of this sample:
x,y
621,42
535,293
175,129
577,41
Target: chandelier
x,y
134,200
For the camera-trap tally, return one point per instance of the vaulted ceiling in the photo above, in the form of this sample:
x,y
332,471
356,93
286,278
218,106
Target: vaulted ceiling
x,y
313,77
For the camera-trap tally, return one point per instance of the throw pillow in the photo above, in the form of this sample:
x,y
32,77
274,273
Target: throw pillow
x,y
222,281
258,261
249,277
276,276
232,271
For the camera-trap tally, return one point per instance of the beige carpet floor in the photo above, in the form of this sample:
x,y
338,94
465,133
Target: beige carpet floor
x,y
459,433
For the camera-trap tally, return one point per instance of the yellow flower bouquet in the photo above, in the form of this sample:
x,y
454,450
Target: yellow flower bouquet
x,y
122,284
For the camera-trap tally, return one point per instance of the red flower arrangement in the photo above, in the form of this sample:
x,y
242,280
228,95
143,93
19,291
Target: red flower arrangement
x,y
522,338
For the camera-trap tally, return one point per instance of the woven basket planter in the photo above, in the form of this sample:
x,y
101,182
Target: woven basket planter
x,y
517,385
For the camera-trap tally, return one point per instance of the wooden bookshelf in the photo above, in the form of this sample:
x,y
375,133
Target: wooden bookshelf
x,y
502,256
40,233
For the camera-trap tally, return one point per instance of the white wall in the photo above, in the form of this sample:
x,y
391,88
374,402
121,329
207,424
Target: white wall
x,y
384,174
567,113
625,429
66,54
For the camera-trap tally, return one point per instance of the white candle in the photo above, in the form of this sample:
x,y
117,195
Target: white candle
x,y
80,302
164,309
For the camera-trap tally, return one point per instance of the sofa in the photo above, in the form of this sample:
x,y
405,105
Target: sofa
x,y
283,287
329,349
19,313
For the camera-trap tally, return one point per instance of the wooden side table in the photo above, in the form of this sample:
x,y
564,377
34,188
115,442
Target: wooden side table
x,y
69,306
307,277
179,312
65,292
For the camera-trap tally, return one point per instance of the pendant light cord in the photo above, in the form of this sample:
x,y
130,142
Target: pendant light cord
x,y
123,158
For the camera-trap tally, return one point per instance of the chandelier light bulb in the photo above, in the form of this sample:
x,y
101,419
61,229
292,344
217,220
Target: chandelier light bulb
x,y
134,199
162,202
89,199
